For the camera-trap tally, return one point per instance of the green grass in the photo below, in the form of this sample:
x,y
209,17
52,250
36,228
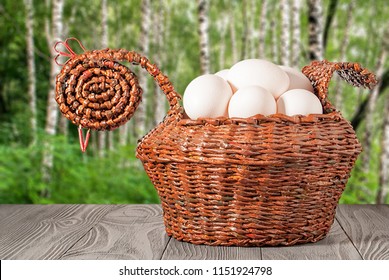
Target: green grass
x,y
76,178
117,178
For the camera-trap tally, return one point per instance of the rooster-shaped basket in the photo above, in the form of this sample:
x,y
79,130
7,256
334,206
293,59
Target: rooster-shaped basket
x,y
257,181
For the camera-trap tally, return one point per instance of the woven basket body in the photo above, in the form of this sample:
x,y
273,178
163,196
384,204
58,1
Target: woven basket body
x,y
262,183
248,182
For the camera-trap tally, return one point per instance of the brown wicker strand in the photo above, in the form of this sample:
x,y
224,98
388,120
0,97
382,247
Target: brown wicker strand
x,y
94,91
320,74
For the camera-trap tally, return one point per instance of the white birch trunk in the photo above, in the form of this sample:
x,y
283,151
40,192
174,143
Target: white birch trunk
x,y
102,135
105,42
262,29
252,34
204,37
63,126
343,51
52,108
158,28
315,23
285,32
383,188
111,140
123,134
244,39
222,28
104,24
222,52
296,39
31,68
233,36
274,43
369,127
124,130
141,112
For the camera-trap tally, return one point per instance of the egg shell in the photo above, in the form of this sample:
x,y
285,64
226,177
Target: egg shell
x,y
223,74
250,101
297,79
207,96
299,102
259,72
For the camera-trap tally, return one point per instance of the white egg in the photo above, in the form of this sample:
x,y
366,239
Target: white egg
x,y
207,96
299,102
223,74
297,79
259,72
250,101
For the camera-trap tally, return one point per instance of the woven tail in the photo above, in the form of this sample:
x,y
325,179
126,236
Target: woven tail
x,y
320,74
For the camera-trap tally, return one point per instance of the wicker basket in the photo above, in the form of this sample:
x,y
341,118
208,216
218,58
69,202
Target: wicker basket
x,y
249,182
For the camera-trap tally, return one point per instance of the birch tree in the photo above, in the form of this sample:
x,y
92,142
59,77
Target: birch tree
x,y
343,51
54,34
332,7
274,43
31,68
315,25
63,121
383,186
102,135
124,130
369,127
222,25
233,35
158,28
63,125
262,29
362,107
244,39
285,32
296,39
141,115
251,30
203,6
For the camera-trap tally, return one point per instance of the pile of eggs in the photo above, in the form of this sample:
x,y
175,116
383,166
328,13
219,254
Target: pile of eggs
x,y
251,87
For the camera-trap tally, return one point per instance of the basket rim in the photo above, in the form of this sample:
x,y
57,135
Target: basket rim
x,y
258,119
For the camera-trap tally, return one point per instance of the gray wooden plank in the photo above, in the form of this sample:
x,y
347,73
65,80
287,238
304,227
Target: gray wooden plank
x,y
131,232
45,231
336,245
178,250
11,210
368,228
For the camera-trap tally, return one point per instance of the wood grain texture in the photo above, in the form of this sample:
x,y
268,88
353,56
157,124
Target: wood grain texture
x,y
177,250
333,247
128,232
45,231
137,232
10,212
368,228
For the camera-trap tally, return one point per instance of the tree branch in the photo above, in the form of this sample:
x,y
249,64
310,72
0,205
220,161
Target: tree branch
x,y
361,111
330,16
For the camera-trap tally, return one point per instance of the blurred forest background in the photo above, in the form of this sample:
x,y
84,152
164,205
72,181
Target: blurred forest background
x,y
40,158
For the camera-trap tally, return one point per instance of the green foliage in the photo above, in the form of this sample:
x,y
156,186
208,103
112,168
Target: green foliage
x,y
362,186
117,178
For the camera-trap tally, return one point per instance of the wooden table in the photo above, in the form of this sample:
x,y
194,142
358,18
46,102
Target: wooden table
x,y
137,232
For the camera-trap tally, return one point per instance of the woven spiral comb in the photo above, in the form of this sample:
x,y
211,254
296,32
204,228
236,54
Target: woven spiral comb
x,y
94,91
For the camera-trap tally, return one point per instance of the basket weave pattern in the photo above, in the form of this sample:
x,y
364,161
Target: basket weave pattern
x,y
248,182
